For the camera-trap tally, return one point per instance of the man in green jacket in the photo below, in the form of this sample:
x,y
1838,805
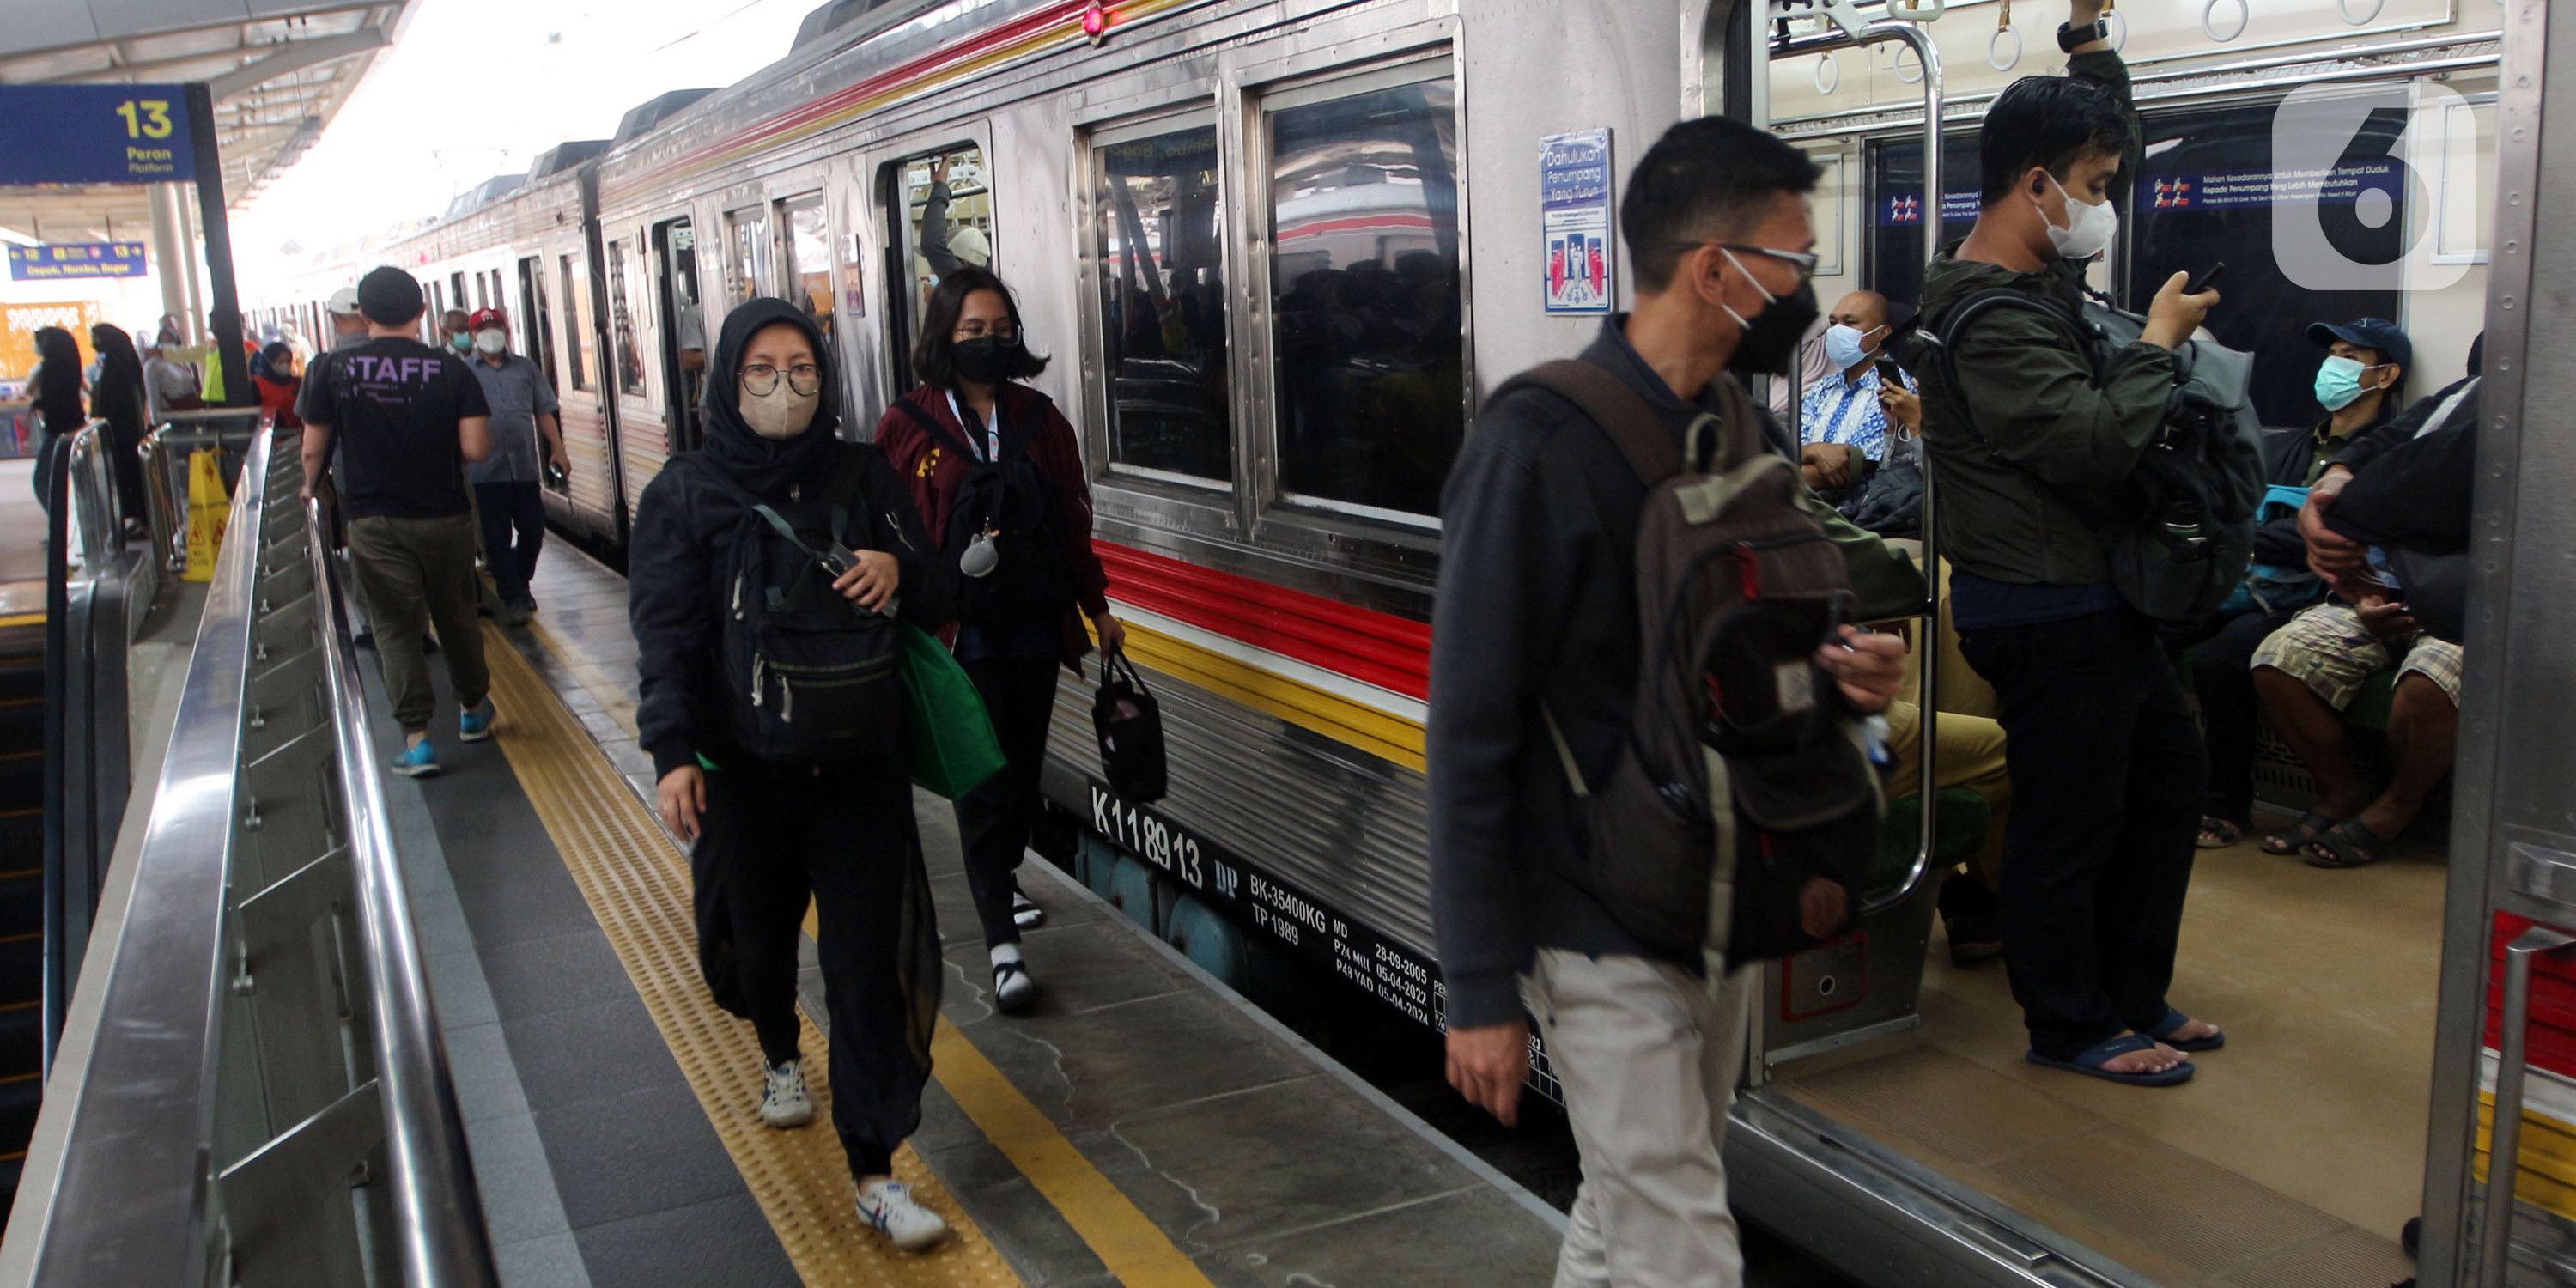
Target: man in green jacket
x,y
2107,768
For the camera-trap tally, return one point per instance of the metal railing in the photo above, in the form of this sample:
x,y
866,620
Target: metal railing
x,y
262,1096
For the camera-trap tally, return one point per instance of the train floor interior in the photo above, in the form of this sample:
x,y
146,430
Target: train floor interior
x,y
2291,1160
1143,1126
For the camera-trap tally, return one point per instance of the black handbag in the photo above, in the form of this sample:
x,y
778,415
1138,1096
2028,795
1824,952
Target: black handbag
x,y
1130,724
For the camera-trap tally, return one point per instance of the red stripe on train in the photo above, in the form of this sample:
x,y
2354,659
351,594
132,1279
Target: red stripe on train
x,y
1390,652
2553,1002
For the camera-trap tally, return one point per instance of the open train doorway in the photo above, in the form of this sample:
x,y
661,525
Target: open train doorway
x,y
684,329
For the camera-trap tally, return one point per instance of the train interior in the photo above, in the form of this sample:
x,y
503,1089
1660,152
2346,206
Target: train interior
x,y
2297,1155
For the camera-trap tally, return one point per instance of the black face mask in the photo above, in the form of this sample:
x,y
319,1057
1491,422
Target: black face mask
x,y
1770,341
984,360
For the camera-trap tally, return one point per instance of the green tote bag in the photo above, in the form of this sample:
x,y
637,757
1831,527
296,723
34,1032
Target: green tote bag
x,y
948,734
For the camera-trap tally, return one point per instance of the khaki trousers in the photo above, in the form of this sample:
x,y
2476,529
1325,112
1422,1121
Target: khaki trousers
x,y
1648,1056
419,572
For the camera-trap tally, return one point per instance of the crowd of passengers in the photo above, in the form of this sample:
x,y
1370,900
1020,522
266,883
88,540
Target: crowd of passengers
x,y
780,573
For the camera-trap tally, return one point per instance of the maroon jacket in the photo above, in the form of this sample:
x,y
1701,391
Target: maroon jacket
x,y
934,474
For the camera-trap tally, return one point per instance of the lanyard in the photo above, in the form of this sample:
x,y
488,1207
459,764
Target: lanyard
x,y
992,428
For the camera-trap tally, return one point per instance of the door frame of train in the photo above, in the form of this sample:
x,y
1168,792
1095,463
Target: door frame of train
x,y
681,427
2498,859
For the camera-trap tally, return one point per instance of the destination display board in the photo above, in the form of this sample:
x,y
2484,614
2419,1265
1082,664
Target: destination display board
x,y
96,134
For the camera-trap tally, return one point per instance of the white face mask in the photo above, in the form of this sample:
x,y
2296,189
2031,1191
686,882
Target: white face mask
x,y
492,342
2090,226
781,413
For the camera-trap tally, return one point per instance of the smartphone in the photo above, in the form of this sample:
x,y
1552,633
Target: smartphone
x,y
837,559
1888,374
2208,278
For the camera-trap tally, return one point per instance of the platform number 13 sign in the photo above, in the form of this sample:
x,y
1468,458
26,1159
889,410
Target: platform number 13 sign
x,y
146,118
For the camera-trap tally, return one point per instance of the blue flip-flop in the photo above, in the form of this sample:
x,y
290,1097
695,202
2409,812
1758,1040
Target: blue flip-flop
x,y
2174,1020
2090,1062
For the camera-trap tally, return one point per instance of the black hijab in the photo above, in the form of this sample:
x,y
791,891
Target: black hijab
x,y
759,465
120,371
58,380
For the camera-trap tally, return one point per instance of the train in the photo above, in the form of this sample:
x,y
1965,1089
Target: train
x,y
1279,250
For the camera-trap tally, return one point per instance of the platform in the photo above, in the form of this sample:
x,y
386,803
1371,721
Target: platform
x,y
1144,1126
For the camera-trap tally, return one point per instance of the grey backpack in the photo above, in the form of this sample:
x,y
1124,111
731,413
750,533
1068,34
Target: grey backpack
x,y
1743,777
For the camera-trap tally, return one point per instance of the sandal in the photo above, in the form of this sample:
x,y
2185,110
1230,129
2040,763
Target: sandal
x,y
2351,844
2295,837
2090,1062
2218,833
2172,1023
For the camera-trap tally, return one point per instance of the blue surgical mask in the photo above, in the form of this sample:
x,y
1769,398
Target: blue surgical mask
x,y
2339,382
1845,345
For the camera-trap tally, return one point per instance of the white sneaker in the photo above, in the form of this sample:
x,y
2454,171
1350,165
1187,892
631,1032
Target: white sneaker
x,y
1014,989
1025,913
888,1206
783,1102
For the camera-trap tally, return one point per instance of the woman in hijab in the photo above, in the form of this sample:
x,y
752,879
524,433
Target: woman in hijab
x,y
117,394
774,488
56,390
969,433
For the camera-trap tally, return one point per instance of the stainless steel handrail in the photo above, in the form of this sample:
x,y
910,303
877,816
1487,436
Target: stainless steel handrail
x,y
2504,1144
1928,695
265,1097
93,498
126,1205
438,1211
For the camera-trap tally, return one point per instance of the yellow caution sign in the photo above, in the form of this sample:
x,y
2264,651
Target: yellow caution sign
x,y
209,507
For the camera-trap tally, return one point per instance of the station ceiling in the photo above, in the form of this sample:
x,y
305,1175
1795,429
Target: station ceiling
x,y
279,69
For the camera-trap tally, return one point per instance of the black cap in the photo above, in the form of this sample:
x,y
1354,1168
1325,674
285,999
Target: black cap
x,y
389,296
2370,333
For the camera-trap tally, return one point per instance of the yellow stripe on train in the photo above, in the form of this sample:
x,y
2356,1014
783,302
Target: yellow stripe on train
x,y
2546,1177
1386,737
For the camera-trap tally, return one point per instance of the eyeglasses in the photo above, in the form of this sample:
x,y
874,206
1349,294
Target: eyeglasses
x,y
1802,261
975,330
760,379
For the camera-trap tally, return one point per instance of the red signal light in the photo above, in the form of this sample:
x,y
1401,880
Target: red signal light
x,y
1095,21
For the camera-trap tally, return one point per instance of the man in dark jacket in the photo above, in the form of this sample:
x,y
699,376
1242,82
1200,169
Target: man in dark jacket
x,y
2358,386
1537,609
2106,764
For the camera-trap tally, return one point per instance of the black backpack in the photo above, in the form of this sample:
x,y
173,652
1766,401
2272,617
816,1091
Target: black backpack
x,y
2179,533
1012,504
1743,778
811,677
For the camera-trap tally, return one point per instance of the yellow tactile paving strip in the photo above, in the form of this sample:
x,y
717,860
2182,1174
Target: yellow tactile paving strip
x,y
637,883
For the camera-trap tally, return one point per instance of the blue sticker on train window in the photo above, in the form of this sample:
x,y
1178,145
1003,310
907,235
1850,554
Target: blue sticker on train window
x,y
1580,259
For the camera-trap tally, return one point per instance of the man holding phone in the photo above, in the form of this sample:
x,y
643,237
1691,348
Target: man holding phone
x,y
2030,430
1866,413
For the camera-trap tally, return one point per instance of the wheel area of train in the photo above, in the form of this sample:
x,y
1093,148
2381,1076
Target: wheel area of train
x,y
1143,1126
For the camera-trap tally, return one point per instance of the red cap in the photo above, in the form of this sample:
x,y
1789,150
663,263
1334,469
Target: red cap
x,y
488,317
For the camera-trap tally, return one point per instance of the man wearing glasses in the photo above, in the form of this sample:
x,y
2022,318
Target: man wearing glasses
x,y
2107,766
1537,610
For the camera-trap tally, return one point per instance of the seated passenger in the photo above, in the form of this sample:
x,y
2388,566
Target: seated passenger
x,y
833,825
1853,420
2358,387
2309,671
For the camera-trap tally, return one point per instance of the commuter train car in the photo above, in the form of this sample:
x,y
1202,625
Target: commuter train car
x,y
1245,232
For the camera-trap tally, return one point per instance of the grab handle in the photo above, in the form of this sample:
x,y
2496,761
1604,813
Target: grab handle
x,y
2504,1146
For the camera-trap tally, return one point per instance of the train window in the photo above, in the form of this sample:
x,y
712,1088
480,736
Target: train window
x,y
1157,219
536,319
809,258
934,237
1370,356
750,260
576,297
621,324
2209,192
456,296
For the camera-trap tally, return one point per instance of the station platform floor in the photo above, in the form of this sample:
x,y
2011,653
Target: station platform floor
x,y
1144,1126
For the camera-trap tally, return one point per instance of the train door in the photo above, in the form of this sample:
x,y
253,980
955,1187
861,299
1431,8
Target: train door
x,y
536,322
808,276
1889,1102
925,239
751,254
684,340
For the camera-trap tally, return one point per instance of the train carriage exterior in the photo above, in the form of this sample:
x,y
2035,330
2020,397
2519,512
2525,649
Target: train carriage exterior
x,y
1246,232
